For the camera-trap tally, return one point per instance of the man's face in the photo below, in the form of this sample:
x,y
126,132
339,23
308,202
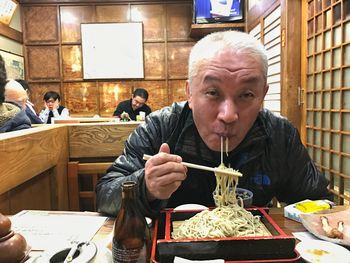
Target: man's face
x,y
225,96
137,102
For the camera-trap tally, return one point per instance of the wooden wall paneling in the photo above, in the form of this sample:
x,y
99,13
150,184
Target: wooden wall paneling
x,y
153,18
71,18
43,63
40,24
158,93
165,26
179,20
37,93
178,53
112,13
177,90
72,62
154,60
81,98
111,93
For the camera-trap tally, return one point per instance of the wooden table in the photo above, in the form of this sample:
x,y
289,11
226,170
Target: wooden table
x,y
103,236
288,226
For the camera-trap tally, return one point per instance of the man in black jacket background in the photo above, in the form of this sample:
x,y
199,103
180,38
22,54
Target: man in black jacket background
x,y
132,107
227,83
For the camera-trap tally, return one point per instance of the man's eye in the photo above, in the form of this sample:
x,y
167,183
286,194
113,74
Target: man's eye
x,y
247,95
212,93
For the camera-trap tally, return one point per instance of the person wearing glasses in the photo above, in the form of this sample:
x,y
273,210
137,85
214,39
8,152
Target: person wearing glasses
x,y
52,107
133,107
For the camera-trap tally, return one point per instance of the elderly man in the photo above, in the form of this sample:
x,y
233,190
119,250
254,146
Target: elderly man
x,y
15,92
225,91
12,116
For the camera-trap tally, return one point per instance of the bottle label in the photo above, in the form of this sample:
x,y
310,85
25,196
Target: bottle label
x,y
123,255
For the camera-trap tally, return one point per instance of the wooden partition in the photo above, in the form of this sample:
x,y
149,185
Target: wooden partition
x,y
33,169
56,166
92,149
98,141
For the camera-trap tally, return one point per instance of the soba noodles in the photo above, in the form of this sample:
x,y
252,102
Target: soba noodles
x,y
225,191
227,220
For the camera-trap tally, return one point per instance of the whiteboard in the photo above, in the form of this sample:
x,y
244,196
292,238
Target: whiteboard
x,y
112,50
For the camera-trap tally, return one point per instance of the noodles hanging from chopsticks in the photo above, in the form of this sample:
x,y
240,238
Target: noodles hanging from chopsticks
x,y
228,219
225,191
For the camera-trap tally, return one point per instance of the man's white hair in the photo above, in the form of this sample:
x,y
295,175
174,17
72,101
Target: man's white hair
x,y
240,42
15,92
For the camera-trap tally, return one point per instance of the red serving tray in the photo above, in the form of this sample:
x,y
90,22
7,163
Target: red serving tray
x,y
276,248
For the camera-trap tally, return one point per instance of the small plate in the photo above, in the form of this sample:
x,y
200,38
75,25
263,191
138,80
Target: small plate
x,y
312,222
318,251
190,207
87,253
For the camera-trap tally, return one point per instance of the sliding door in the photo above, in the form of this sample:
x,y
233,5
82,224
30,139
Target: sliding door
x,y
326,85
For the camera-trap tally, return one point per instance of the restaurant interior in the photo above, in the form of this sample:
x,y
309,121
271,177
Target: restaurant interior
x,y
55,167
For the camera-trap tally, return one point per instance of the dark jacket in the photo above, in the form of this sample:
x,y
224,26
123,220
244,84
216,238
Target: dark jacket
x,y
34,119
13,118
127,107
271,158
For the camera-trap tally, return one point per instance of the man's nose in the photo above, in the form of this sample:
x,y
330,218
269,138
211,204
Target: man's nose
x,y
228,111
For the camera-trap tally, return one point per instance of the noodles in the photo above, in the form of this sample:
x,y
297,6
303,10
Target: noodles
x,y
228,219
225,191
225,221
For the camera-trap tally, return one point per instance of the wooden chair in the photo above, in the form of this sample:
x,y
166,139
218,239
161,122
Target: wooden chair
x,y
80,198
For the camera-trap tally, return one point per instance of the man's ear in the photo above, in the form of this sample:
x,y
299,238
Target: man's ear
x,y
188,93
266,89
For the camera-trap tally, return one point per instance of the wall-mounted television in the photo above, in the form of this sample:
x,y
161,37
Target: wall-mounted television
x,y
217,11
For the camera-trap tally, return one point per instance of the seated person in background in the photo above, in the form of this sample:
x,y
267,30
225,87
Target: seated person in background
x,y
52,107
12,116
29,107
134,106
225,92
14,92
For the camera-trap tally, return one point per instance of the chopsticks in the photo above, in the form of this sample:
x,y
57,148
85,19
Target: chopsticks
x,y
206,168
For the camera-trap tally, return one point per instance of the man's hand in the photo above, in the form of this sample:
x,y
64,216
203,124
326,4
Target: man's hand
x,y
164,173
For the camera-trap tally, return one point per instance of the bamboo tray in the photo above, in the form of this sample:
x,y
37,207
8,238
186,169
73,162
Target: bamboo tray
x,y
275,246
